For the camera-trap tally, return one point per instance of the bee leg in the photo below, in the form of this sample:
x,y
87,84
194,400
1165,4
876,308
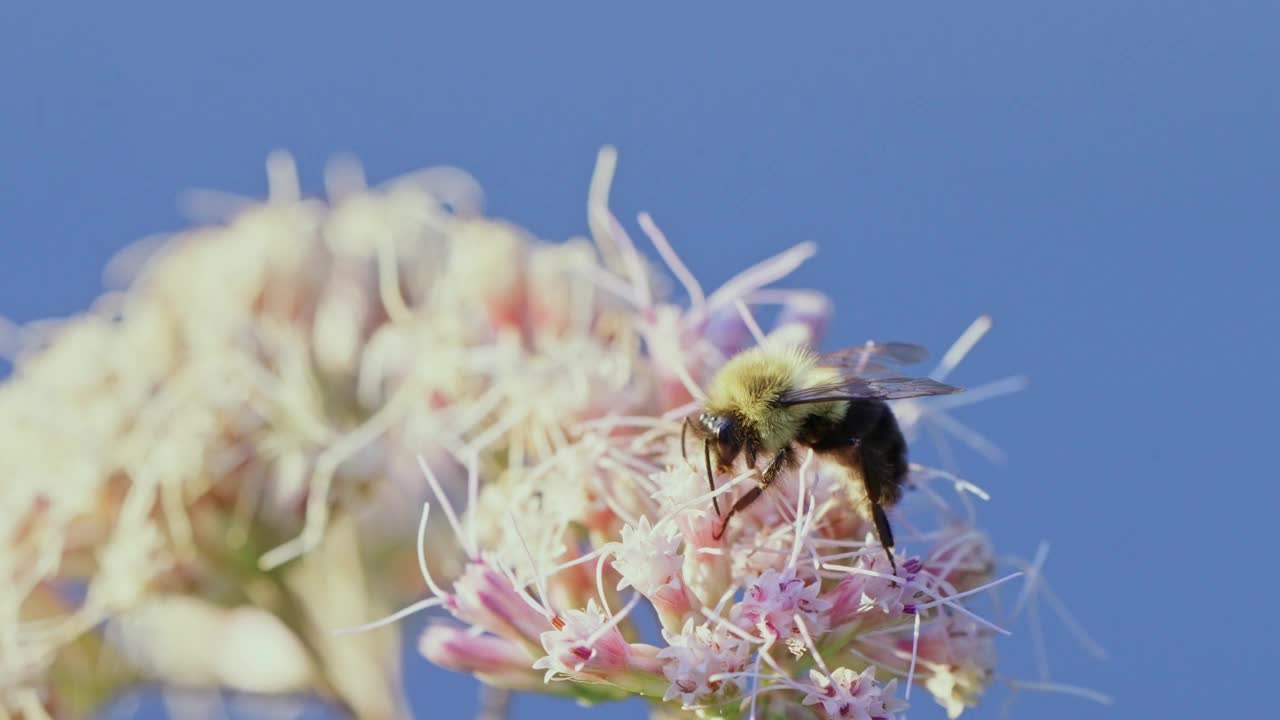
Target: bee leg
x,y
884,533
711,480
779,462
872,469
749,497
869,468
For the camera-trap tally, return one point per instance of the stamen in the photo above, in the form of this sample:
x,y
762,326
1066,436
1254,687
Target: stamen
x,y
392,618
539,580
1074,626
734,629
756,277
473,492
1053,687
601,631
974,591
703,498
598,202
682,374
609,422
434,482
696,297
610,283
607,550
860,571
1033,578
579,560
801,523
808,642
327,463
631,260
751,323
920,472
915,645
422,552
676,413
1038,646
282,178
968,436
975,395
961,347
508,420
393,303
755,686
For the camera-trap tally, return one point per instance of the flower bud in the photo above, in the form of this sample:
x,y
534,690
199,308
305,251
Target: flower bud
x,y
487,598
497,660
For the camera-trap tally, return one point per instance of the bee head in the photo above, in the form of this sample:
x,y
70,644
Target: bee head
x,y
721,431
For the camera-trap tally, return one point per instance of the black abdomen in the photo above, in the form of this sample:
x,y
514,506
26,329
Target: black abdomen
x,y
870,429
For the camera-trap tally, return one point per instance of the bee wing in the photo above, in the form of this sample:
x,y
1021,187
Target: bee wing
x,y
892,352
874,358
859,388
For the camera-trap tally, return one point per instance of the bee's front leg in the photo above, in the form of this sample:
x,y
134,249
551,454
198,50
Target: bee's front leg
x,y
777,464
747,498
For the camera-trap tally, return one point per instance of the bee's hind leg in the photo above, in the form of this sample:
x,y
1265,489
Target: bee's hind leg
x,y
884,533
868,467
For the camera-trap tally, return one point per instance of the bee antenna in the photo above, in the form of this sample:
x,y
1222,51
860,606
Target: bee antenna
x,y
706,453
684,430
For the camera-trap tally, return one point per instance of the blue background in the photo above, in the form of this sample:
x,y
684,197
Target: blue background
x,y
1101,177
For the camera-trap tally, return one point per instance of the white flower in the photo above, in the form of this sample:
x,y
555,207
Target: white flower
x,y
959,660
856,696
700,661
648,557
587,642
774,599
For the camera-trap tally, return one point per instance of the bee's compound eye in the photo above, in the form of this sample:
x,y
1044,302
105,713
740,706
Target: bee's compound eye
x,y
718,426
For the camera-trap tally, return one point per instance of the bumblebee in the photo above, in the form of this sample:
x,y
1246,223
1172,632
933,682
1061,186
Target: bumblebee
x,y
766,401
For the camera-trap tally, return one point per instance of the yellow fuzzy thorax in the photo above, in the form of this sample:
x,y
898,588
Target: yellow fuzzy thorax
x,y
750,384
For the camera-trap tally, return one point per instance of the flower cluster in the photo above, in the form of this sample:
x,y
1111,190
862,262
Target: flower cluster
x,y
234,423
236,443
585,506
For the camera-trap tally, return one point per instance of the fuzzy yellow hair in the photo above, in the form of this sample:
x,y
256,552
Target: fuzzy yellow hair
x,y
751,383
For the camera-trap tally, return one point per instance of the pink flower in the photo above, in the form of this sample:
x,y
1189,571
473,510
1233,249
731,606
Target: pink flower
x,y
498,660
961,558
699,662
487,598
584,643
774,599
881,595
846,694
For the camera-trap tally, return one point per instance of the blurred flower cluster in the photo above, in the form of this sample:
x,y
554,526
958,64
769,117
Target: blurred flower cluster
x,y
214,477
